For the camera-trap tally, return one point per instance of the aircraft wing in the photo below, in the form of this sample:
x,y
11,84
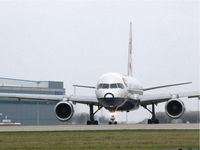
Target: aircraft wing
x,y
158,98
84,100
74,99
164,86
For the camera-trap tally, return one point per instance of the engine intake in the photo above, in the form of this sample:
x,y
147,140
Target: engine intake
x,y
175,108
64,110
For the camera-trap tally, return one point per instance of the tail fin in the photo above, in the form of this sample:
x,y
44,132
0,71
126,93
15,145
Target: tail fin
x,y
130,52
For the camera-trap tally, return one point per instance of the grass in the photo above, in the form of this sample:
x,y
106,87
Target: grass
x,y
100,140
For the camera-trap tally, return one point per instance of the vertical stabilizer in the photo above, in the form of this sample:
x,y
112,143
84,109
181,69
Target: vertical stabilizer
x,y
130,52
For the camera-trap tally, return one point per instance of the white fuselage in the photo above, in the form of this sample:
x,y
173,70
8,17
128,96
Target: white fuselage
x,y
118,92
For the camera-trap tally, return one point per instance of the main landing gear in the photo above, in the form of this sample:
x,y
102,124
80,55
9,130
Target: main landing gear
x,y
112,118
153,119
92,113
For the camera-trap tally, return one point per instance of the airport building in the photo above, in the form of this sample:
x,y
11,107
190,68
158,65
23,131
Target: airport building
x,y
29,112
8,85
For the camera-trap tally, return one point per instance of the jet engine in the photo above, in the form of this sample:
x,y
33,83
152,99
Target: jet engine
x,y
64,110
174,108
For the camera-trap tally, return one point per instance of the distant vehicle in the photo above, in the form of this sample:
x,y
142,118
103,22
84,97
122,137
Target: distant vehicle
x,y
116,92
8,122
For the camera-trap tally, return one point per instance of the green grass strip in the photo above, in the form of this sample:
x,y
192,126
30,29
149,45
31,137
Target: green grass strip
x,y
100,140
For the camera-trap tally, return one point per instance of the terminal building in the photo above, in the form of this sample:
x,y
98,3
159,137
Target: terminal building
x,y
8,85
29,112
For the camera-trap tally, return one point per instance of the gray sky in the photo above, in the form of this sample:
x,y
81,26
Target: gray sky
x,y
78,41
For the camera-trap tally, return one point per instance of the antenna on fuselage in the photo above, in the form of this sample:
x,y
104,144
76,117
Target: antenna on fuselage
x,y
130,52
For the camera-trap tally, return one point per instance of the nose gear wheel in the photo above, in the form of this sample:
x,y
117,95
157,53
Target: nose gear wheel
x,y
112,119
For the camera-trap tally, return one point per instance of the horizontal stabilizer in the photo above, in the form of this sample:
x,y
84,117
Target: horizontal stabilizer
x,y
84,86
164,86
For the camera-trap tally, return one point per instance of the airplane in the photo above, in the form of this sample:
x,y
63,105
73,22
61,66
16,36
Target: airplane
x,y
116,92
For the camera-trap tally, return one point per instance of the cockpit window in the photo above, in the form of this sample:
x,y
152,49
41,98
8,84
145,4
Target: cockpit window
x,y
105,86
99,86
113,86
120,85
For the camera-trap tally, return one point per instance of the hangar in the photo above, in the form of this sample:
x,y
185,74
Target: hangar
x,y
9,85
29,112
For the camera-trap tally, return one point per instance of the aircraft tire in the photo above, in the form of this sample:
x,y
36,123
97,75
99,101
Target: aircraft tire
x,y
88,122
149,121
156,121
96,122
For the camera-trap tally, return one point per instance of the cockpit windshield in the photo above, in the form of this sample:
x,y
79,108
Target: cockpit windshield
x,y
105,86
120,85
111,86
99,86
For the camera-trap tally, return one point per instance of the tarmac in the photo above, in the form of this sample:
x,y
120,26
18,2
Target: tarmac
x,y
100,127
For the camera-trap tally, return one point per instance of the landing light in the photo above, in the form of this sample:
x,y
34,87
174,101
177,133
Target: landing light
x,y
112,114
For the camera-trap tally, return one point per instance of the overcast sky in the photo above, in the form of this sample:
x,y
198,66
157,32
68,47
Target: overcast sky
x,y
76,41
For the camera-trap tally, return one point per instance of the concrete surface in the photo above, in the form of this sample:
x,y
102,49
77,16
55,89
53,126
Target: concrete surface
x,y
99,127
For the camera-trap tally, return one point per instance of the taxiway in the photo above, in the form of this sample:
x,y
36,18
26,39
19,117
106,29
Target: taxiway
x,y
99,127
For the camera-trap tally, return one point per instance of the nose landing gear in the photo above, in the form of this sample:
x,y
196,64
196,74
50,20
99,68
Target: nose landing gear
x,y
112,118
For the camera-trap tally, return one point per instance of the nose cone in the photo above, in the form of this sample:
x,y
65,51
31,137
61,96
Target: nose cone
x,y
110,101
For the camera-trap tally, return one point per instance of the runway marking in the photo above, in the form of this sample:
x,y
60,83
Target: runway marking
x,y
99,127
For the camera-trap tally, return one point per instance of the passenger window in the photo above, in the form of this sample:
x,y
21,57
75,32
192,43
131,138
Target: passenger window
x,y
113,86
105,86
120,85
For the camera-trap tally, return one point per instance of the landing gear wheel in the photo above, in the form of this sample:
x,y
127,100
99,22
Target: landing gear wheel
x,y
88,122
149,121
112,122
156,121
112,118
153,119
92,113
95,122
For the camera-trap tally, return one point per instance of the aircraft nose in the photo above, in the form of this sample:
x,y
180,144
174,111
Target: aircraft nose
x,y
108,95
110,100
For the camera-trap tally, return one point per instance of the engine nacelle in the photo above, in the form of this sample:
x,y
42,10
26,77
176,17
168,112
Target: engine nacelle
x,y
175,108
64,110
